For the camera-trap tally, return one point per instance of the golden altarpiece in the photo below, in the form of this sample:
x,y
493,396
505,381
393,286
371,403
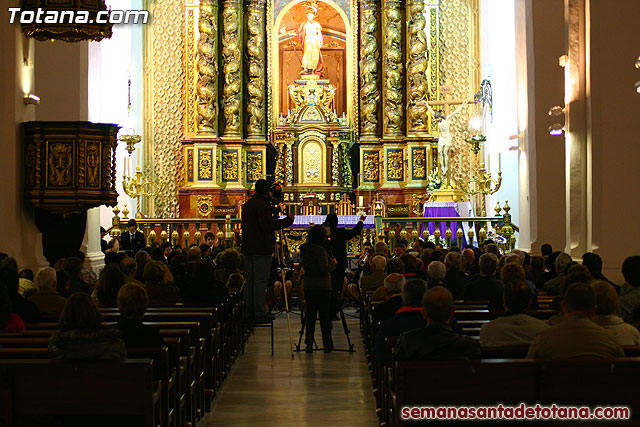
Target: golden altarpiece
x,y
231,97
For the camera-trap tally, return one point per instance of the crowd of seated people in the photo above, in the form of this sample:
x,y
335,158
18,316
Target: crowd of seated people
x,y
594,317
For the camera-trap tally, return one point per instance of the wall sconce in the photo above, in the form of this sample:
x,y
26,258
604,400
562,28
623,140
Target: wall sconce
x,y
556,129
638,86
32,99
476,123
638,63
556,111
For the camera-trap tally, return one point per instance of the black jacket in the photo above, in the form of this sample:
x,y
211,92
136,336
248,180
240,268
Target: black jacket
x,y
137,334
258,225
317,267
456,281
339,239
486,288
385,310
436,341
393,327
135,245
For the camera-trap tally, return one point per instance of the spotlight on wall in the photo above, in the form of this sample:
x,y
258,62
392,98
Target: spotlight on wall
x,y
556,111
556,129
32,99
638,63
638,86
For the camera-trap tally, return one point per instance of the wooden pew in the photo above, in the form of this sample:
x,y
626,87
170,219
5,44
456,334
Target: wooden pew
x,y
511,382
97,392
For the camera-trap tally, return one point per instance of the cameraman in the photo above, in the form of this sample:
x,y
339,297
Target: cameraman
x,y
339,238
258,243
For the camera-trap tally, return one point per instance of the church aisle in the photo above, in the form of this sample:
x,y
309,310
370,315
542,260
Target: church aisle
x,y
310,390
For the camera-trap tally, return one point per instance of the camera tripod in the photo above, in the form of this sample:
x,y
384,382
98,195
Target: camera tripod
x,y
350,346
279,252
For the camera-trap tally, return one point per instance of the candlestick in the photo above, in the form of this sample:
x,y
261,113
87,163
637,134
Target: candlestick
x,y
499,162
360,201
488,161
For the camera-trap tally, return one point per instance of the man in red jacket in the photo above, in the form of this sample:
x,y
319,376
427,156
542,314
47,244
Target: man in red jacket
x,y
258,242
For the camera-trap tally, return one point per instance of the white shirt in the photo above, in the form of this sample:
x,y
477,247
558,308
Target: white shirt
x,y
514,329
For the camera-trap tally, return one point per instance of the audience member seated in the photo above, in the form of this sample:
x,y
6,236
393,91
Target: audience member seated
x,y
577,335
381,248
399,250
194,255
407,318
630,293
436,272
49,302
536,271
554,286
230,262
86,275
180,270
203,287
515,327
28,311
129,268
73,267
111,280
393,285
512,273
469,266
133,302
518,257
436,341
235,282
26,285
606,314
81,333
485,286
158,282
437,255
9,322
492,248
410,262
142,257
594,263
455,280
372,281
62,283
579,274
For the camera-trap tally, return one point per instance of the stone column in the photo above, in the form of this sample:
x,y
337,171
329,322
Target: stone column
x,y
369,73
256,48
577,139
232,68
417,64
207,67
392,69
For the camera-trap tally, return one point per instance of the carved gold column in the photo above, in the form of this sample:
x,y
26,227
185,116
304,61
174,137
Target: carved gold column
x,y
232,69
280,172
392,69
257,66
289,163
207,65
417,65
335,163
369,52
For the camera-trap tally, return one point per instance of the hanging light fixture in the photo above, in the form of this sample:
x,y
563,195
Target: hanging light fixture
x,y
78,26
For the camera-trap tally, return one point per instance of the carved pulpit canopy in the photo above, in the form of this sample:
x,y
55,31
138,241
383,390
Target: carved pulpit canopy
x,y
85,26
70,166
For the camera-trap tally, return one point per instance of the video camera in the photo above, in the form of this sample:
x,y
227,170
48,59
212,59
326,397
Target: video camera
x,y
275,198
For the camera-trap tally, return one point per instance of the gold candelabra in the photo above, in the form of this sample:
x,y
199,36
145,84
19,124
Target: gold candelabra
x,y
137,187
482,184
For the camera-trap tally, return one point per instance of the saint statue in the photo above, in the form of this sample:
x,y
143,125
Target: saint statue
x,y
444,139
310,34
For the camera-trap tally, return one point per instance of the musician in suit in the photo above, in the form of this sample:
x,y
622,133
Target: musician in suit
x,y
132,240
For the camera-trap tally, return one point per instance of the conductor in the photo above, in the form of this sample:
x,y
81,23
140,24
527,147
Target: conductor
x,y
339,238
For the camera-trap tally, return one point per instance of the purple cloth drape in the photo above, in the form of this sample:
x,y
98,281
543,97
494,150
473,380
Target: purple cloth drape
x,y
444,209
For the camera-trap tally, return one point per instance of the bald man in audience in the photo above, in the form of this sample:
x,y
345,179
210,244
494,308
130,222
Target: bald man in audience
x,y
577,335
515,327
47,299
393,283
375,278
436,341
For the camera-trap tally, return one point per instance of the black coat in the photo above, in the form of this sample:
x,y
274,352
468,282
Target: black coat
x,y
486,288
258,225
456,281
135,245
137,334
339,239
436,341
385,310
393,327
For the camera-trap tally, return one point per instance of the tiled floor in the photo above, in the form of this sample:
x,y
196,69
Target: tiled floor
x,y
309,390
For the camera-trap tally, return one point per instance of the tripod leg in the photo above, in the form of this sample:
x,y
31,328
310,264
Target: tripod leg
x,y
304,321
286,301
346,330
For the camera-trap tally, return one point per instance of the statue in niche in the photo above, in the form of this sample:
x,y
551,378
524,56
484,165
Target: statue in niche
x,y
310,34
444,138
